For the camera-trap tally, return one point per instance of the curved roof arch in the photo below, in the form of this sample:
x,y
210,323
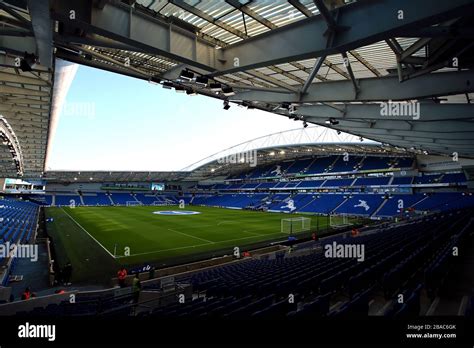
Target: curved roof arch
x,y
310,136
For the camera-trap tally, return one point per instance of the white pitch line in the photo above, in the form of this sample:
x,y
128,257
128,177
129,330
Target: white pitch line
x,y
160,251
188,235
197,245
77,223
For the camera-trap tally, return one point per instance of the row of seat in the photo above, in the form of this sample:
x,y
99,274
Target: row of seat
x,y
398,259
327,164
261,287
379,205
18,221
364,182
102,199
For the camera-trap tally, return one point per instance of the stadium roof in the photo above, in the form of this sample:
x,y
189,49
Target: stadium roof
x,y
223,167
328,62
225,163
111,176
25,92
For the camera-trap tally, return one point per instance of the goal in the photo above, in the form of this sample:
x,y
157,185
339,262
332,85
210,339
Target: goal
x,y
338,221
133,203
295,225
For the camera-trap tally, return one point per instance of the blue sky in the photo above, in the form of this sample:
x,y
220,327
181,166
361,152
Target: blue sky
x,y
113,122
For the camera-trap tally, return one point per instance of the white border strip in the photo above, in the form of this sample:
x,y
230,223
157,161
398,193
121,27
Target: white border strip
x,y
77,223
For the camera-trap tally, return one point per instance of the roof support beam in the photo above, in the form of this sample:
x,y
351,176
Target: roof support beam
x,y
426,112
303,39
24,22
272,80
300,7
347,63
415,47
394,127
431,145
43,30
249,12
191,9
147,34
323,10
317,65
373,89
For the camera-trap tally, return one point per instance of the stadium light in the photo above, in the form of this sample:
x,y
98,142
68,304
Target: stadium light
x,y
202,80
215,87
180,89
167,85
228,91
248,105
154,80
305,124
226,105
28,62
186,75
191,92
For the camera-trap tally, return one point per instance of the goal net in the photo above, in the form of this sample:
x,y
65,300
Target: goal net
x,y
133,203
338,221
295,225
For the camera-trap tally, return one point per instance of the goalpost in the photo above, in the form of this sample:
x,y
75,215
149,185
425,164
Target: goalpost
x,y
339,220
133,203
295,225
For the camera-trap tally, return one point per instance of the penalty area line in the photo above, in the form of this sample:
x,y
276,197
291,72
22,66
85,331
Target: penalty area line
x,y
78,224
191,236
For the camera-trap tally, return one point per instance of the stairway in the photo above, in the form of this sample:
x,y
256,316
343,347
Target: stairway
x,y
380,207
391,180
344,201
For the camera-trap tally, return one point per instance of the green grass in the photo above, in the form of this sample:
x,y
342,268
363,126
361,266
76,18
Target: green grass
x,y
94,239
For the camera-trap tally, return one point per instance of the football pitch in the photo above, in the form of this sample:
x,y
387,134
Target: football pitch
x,y
97,240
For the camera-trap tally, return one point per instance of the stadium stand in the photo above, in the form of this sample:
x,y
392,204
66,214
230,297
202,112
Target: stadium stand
x,y
398,260
18,221
392,187
98,198
65,200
